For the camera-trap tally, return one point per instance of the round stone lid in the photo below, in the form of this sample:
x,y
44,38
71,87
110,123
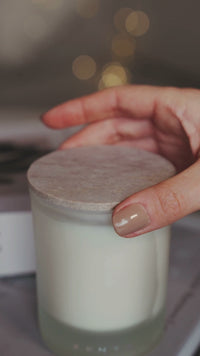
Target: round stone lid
x,y
96,178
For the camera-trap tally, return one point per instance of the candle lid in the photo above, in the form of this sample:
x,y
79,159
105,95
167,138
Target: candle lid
x,y
96,178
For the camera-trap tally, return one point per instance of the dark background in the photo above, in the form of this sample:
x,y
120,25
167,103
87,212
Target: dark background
x,y
39,39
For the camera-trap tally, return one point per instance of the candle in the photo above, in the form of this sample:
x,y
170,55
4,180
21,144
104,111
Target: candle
x,y
90,280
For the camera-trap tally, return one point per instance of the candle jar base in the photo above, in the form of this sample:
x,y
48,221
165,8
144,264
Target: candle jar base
x,y
64,340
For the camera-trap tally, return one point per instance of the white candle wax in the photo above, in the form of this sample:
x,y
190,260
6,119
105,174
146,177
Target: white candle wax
x,y
92,279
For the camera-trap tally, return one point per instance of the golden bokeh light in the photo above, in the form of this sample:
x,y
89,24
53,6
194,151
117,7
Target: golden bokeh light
x,y
114,74
123,46
137,23
87,8
84,67
120,18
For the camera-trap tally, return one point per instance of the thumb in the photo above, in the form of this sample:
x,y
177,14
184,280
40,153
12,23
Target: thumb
x,y
159,205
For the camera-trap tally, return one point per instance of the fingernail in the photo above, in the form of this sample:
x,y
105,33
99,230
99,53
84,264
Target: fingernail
x,y
130,219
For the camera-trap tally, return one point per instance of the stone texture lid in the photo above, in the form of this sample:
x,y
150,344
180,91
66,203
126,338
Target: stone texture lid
x,y
95,178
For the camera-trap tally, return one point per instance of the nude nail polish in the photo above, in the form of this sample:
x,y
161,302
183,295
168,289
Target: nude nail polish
x,y
130,219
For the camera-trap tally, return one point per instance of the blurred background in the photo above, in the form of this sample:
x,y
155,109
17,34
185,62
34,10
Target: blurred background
x,y
54,50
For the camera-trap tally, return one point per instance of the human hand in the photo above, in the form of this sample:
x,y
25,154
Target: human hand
x,y
165,121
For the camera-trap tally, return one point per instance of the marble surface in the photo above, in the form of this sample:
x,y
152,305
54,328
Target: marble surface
x,y
96,178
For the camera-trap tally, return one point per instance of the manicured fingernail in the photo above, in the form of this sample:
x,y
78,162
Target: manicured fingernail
x,y
130,219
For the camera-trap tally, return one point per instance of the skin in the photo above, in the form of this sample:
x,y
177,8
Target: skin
x,y
161,120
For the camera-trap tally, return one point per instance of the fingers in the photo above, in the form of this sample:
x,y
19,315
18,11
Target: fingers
x,y
128,101
170,109
159,205
92,135
147,144
110,131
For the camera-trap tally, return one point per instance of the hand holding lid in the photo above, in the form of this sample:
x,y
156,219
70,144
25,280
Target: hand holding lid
x,y
161,120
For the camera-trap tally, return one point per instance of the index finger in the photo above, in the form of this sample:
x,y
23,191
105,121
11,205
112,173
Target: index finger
x,y
136,101
128,101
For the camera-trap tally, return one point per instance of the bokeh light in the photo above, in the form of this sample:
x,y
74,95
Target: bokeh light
x,y
123,45
87,8
84,67
137,23
120,18
113,74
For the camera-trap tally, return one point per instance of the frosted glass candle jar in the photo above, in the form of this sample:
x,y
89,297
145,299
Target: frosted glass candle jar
x,y
97,292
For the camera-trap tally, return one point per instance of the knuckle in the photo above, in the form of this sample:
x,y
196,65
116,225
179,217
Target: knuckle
x,y
169,203
84,110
